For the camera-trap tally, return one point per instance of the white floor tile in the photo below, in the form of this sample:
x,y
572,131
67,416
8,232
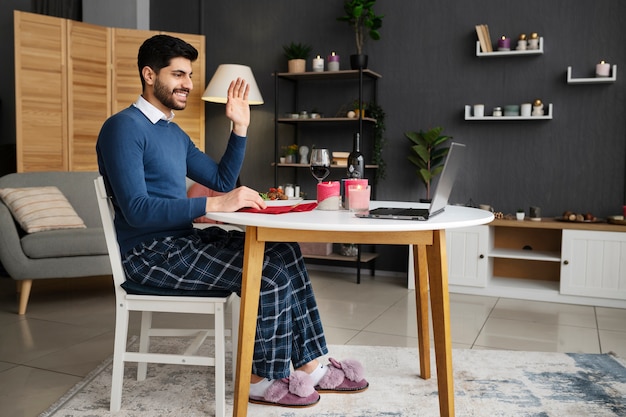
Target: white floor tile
x,y
547,313
521,335
615,342
611,318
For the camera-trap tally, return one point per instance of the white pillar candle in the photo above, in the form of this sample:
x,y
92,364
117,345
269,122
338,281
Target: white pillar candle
x,y
318,64
603,69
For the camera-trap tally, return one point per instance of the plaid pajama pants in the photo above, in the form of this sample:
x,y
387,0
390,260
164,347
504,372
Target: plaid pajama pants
x,y
289,329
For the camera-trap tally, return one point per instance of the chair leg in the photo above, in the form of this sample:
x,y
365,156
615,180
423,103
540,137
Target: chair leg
x,y
144,343
24,290
220,362
235,304
119,349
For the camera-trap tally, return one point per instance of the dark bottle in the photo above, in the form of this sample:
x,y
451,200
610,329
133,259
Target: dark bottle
x,y
356,162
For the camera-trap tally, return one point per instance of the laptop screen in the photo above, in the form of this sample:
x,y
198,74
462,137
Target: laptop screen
x,y
447,178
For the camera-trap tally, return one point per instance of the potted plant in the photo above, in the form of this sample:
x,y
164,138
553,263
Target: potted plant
x,y
428,153
359,109
519,214
290,153
359,14
297,54
375,111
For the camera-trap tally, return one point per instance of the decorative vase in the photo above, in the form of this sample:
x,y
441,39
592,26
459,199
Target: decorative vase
x,y
358,61
296,65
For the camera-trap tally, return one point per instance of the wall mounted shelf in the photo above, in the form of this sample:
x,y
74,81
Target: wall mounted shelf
x,y
512,52
334,166
592,80
468,116
325,120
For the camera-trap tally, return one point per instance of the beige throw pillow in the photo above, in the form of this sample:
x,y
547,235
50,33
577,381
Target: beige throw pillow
x,y
41,208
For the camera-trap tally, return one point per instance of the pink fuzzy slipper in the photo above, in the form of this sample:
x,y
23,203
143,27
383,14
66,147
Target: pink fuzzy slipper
x,y
297,391
345,377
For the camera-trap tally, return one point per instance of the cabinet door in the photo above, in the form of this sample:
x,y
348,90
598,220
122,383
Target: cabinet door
x,y
594,264
467,256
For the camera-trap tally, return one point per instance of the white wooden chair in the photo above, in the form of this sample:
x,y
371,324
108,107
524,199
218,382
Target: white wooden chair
x,y
138,298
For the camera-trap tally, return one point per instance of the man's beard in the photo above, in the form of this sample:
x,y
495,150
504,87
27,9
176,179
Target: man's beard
x,y
166,97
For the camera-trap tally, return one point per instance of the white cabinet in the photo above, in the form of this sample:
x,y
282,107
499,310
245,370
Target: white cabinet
x,y
594,264
467,256
553,261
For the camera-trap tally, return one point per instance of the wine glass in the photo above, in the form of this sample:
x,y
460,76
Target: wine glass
x,y
320,163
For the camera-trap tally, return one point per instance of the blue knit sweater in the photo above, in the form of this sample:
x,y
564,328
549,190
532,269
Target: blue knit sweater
x,y
144,166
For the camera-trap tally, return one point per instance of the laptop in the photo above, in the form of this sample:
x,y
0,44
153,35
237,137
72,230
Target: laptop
x,y
440,198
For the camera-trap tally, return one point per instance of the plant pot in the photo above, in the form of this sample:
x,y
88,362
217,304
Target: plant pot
x,y
358,61
519,215
296,65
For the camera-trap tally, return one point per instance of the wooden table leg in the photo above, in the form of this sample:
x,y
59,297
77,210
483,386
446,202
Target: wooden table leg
x,y
420,265
440,304
250,291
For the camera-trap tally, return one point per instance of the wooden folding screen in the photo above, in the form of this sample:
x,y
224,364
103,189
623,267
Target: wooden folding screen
x,y
69,77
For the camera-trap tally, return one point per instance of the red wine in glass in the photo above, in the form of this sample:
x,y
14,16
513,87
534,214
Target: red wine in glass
x,y
320,163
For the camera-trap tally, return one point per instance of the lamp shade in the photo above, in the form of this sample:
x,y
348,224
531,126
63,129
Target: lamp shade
x,y
217,90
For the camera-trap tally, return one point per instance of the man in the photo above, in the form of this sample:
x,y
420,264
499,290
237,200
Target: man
x,y
144,158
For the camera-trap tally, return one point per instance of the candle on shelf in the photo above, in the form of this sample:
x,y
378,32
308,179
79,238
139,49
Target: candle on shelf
x,y
603,69
359,198
504,44
346,183
318,64
537,108
328,195
533,42
333,62
522,43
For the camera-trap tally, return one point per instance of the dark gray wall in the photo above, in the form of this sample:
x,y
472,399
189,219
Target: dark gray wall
x,y
427,58
7,88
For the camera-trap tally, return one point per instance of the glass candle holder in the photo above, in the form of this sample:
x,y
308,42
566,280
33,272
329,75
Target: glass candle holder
x,y
359,200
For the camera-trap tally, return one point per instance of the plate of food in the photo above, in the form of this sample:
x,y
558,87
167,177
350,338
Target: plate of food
x,y
291,201
275,197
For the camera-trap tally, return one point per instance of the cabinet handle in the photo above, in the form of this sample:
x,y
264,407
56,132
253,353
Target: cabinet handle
x,y
565,262
481,256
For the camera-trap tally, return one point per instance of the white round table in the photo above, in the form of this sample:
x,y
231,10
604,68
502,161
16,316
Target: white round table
x,y
427,239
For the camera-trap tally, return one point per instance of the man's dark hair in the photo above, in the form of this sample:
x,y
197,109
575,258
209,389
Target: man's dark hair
x,y
159,50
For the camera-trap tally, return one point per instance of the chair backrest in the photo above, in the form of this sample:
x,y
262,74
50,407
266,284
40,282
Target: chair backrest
x,y
107,213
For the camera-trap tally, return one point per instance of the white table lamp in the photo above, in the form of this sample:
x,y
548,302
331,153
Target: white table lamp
x,y
217,89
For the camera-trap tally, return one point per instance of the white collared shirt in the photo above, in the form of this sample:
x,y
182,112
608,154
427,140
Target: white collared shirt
x,y
150,111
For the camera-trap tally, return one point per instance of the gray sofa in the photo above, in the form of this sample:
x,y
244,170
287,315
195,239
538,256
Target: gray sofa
x,y
65,253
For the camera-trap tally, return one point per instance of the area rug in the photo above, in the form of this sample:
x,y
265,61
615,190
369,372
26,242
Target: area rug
x,y
488,383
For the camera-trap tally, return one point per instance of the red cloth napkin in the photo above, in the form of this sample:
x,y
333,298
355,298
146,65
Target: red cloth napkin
x,y
281,209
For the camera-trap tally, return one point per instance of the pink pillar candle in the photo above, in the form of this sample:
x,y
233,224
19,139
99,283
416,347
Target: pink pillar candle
x,y
359,197
328,195
346,183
